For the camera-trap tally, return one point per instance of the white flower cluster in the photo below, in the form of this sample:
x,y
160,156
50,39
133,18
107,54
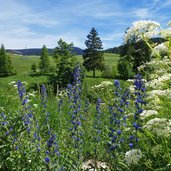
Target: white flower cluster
x,y
141,67
158,82
61,93
166,92
160,49
146,28
14,84
156,150
147,113
102,84
130,80
90,164
133,156
132,88
165,33
160,126
165,60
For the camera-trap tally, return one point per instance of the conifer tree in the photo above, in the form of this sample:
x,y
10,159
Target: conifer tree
x,y
34,67
65,63
93,55
44,64
6,68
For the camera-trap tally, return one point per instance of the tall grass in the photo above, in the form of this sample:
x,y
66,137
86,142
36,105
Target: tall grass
x,y
64,133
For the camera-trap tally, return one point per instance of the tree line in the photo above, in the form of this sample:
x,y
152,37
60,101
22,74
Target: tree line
x,y
132,55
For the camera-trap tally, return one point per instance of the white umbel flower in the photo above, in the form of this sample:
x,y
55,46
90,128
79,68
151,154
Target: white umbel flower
x,y
147,113
166,33
102,84
160,49
133,156
160,126
146,28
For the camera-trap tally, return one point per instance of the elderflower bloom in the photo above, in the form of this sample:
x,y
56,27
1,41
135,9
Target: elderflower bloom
x,y
160,49
89,165
141,67
102,84
165,33
133,156
159,82
160,126
131,88
12,83
147,113
166,92
146,28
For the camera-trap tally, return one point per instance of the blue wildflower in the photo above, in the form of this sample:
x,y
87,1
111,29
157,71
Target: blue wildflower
x,y
131,145
47,160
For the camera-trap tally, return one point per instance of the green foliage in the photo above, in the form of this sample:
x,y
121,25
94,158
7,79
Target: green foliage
x,y
44,64
65,64
132,56
34,68
93,55
125,69
6,68
42,127
109,72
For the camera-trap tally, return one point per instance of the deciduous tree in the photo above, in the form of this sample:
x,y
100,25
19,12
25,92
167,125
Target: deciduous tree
x,y
65,63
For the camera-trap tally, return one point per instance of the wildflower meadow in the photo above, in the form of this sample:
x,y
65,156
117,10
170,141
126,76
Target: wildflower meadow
x,y
126,128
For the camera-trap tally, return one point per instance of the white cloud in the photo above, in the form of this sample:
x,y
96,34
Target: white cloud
x,y
112,36
141,13
23,24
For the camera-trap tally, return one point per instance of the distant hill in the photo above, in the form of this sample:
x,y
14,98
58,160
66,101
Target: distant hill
x,y
37,51
116,50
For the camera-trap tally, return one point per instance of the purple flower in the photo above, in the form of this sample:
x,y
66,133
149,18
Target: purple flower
x,y
3,123
47,160
119,132
131,145
116,83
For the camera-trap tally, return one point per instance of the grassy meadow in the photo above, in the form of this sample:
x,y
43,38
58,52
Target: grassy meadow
x,y
22,64
104,124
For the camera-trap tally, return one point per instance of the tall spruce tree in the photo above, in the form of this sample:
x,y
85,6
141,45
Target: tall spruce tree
x,y
44,64
93,55
6,68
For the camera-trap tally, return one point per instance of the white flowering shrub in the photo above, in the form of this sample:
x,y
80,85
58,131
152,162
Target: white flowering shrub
x,y
140,29
160,126
161,49
156,118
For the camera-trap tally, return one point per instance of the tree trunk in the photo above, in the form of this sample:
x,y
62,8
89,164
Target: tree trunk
x,y
94,73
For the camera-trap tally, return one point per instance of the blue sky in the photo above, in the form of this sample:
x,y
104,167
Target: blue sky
x,y
32,23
